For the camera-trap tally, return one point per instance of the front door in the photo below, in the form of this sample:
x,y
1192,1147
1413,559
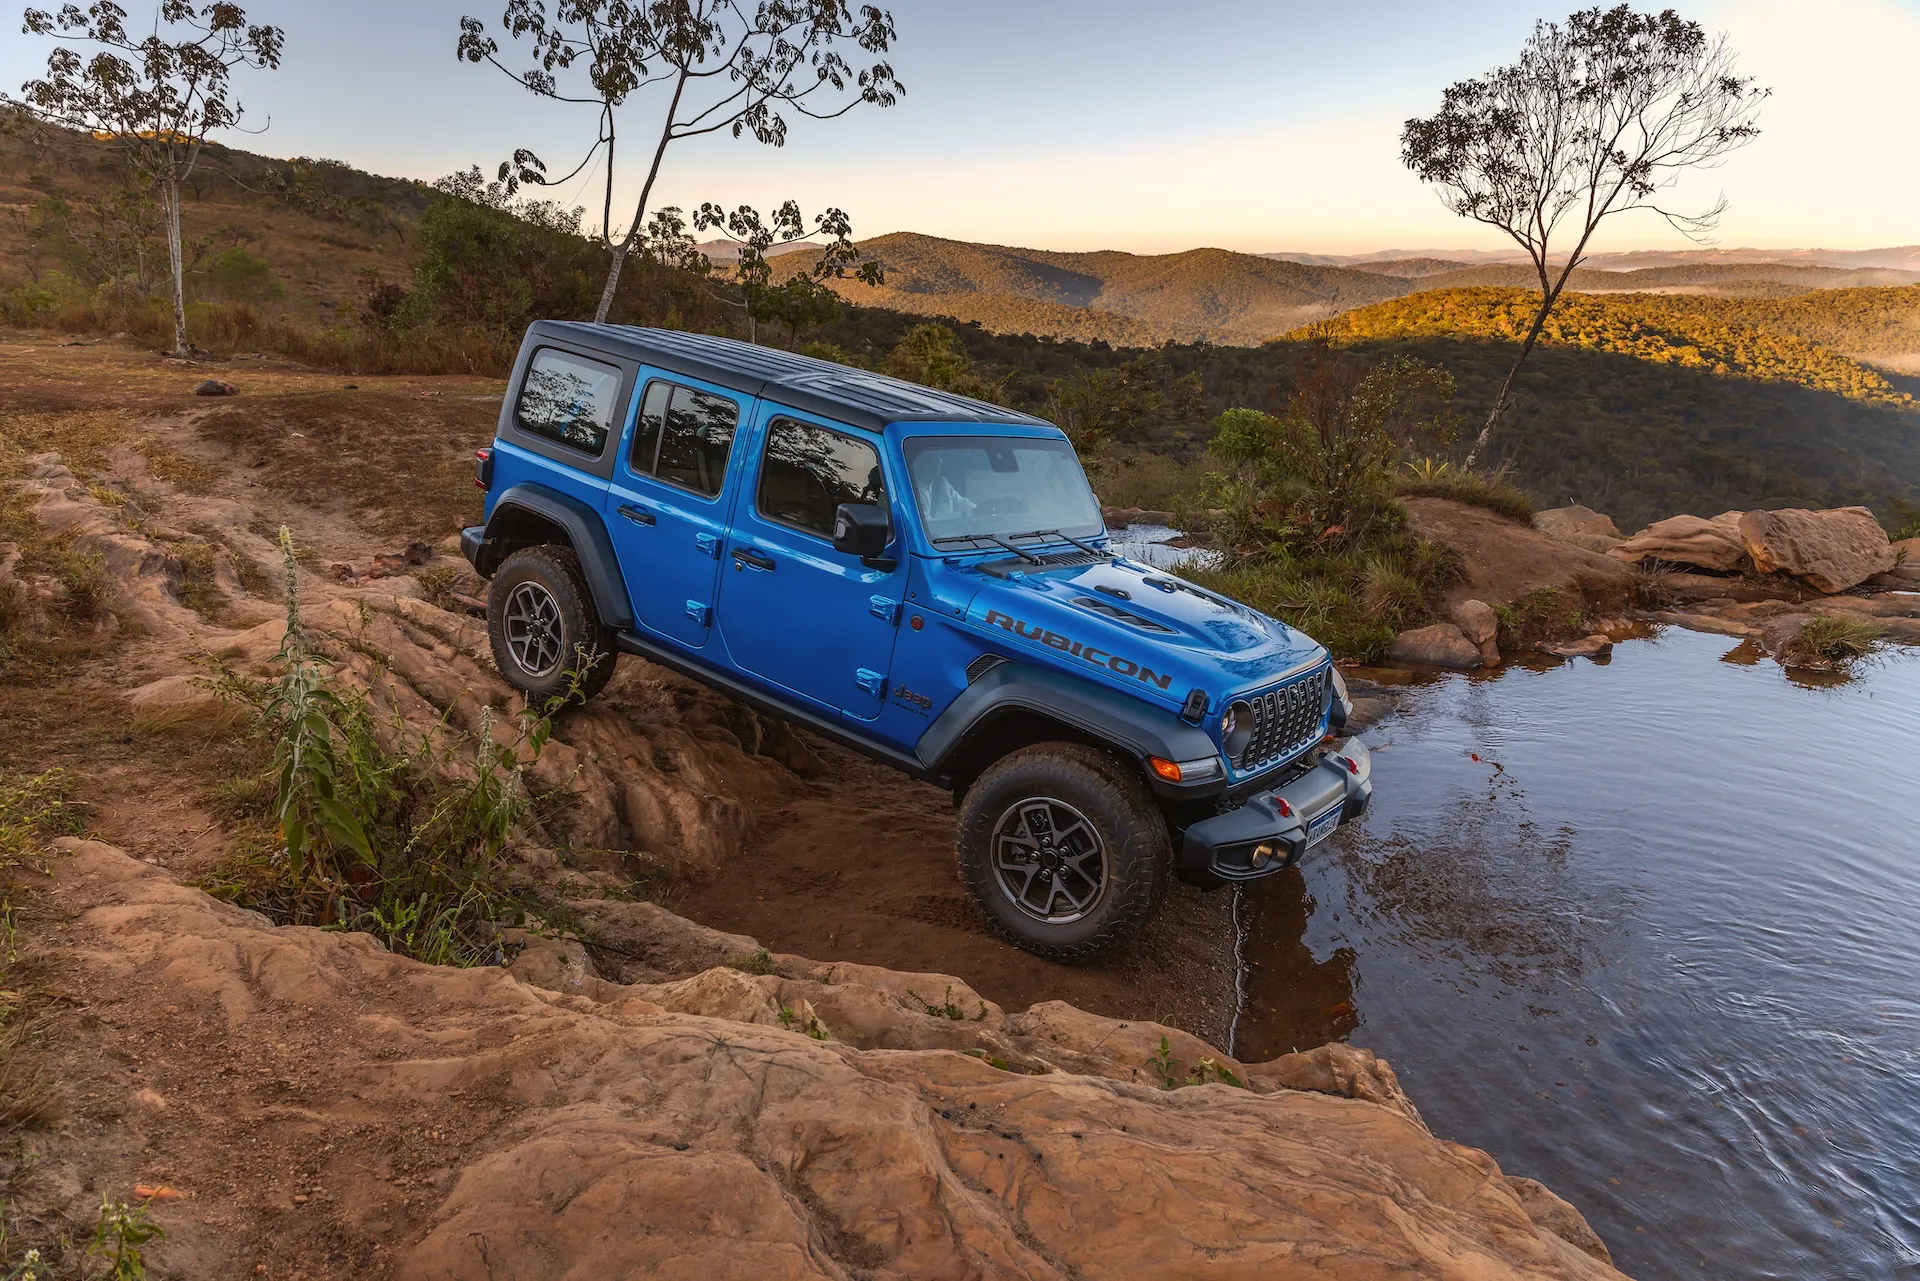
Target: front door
x,y
793,611
666,506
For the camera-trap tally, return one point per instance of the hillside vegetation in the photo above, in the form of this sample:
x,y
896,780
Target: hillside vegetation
x,y
1729,337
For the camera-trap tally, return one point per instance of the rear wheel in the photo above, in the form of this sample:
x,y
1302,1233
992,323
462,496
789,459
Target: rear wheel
x,y
1064,851
547,638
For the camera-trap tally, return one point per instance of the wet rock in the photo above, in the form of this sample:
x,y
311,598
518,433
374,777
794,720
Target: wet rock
x,y
1689,540
1441,645
1558,1217
1479,624
215,387
1830,551
1503,561
1597,645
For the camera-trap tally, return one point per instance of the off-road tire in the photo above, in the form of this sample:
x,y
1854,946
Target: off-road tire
x,y
555,573
1114,802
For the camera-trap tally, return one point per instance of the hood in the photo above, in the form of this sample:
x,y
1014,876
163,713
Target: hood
x,y
1148,629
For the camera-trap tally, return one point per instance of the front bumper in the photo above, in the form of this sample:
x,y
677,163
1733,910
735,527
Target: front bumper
x,y
1269,832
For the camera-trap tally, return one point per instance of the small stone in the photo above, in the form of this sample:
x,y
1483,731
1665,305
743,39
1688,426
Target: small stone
x,y
214,387
300,1199
1595,646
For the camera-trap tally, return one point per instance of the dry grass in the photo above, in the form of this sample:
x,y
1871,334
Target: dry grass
x,y
1831,642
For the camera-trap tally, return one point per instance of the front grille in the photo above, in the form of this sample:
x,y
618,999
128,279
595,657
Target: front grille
x,y
1286,720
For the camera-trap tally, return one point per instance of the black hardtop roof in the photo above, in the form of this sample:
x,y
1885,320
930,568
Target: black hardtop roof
x,y
853,396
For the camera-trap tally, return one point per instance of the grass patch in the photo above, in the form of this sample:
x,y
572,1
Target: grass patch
x,y
53,597
1831,642
1495,493
1544,614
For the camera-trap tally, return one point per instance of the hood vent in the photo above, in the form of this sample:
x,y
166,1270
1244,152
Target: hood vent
x,y
1120,615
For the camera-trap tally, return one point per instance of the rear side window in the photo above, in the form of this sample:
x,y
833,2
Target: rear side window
x,y
809,471
569,399
684,437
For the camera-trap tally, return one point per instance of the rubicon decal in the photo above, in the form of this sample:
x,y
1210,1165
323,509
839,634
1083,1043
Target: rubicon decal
x,y
1098,657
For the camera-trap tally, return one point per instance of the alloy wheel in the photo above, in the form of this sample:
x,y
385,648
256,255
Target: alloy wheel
x,y
534,632
1049,860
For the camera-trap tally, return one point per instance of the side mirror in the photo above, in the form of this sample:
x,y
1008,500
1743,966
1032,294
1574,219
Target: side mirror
x,y
862,529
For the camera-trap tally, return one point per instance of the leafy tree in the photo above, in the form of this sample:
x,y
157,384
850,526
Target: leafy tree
x,y
804,299
1598,116
719,64
156,97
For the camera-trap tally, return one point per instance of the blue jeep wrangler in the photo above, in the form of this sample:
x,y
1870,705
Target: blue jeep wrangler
x,y
925,579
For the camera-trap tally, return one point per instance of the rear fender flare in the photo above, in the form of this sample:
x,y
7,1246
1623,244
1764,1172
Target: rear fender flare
x,y
584,531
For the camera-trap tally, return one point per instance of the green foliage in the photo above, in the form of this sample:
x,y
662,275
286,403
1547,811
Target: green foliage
x,y
236,275
1904,522
1544,614
31,810
1832,642
1726,337
1495,492
118,1237
932,356
758,961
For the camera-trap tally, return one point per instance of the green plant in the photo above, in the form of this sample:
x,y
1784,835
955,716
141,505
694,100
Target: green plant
x,y
1161,1064
1905,520
32,1265
1831,642
1544,614
758,961
946,1009
118,1236
30,810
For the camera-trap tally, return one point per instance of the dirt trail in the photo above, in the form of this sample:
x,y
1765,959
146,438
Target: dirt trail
x,y
338,1111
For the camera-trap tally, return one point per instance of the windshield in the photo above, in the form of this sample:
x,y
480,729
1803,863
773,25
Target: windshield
x,y
1000,486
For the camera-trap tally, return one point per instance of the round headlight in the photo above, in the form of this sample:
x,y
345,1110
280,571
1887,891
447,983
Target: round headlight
x,y
1236,729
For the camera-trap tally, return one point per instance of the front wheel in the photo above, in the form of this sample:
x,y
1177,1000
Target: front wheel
x,y
548,640
1063,849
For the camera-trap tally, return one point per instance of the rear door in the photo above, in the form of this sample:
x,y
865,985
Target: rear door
x,y
666,503
793,611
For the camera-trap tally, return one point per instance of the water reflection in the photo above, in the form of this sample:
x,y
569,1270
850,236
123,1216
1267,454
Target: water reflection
x,y
1650,933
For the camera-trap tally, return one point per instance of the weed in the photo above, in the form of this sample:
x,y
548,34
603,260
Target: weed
x,y
118,1236
30,811
1651,590
794,1022
1212,1070
991,1060
437,583
1161,1064
1495,492
758,961
1831,642
1544,614
946,1009
1905,521
198,586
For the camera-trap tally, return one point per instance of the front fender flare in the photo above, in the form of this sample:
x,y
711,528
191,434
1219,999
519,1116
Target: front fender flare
x,y
1131,725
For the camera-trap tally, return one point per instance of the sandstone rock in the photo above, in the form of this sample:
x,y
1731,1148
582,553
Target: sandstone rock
x,y
1828,550
1689,540
1441,645
717,1148
1596,646
1479,624
1557,1216
1504,561
1575,520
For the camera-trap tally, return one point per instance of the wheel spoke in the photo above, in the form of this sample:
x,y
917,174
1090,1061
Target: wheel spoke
x,y
1049,860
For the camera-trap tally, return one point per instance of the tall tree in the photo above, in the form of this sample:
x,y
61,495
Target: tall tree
x,y
720,64
156,97
1599,115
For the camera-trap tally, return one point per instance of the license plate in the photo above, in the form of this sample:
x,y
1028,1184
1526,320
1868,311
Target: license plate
x,y
1323,827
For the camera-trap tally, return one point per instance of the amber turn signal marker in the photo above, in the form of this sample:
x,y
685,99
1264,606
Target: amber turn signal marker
x,y
1169,770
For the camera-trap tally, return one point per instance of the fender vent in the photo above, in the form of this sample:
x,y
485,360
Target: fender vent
x,y
1118,614
982,665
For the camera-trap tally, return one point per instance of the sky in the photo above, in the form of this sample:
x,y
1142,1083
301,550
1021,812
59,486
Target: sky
x,y
1123,124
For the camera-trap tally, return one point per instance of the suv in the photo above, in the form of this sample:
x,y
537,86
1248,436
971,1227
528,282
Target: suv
x,y
920,577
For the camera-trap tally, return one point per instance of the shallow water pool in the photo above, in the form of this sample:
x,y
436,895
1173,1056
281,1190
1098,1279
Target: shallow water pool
x,y
1648,931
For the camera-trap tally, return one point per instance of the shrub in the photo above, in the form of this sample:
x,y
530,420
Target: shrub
x,y
1831,642
1495,493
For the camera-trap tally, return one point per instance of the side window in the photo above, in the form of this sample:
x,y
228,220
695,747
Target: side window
x,y
568,399
684,437
646,431
809,471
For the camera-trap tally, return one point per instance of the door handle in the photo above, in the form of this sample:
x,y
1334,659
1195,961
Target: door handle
x,y
751,556
638,515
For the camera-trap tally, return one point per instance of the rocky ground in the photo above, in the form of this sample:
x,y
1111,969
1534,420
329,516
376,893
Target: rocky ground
x,y
674,1100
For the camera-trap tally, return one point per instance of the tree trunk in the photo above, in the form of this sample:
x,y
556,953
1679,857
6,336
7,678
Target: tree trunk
x,y
613,284
1506,387
174,254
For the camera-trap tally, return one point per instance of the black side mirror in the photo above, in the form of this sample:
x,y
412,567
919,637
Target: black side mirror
x,y
862,529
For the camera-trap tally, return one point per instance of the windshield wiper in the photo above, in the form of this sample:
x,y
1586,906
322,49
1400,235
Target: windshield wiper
x,y
1089,548
1027,556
